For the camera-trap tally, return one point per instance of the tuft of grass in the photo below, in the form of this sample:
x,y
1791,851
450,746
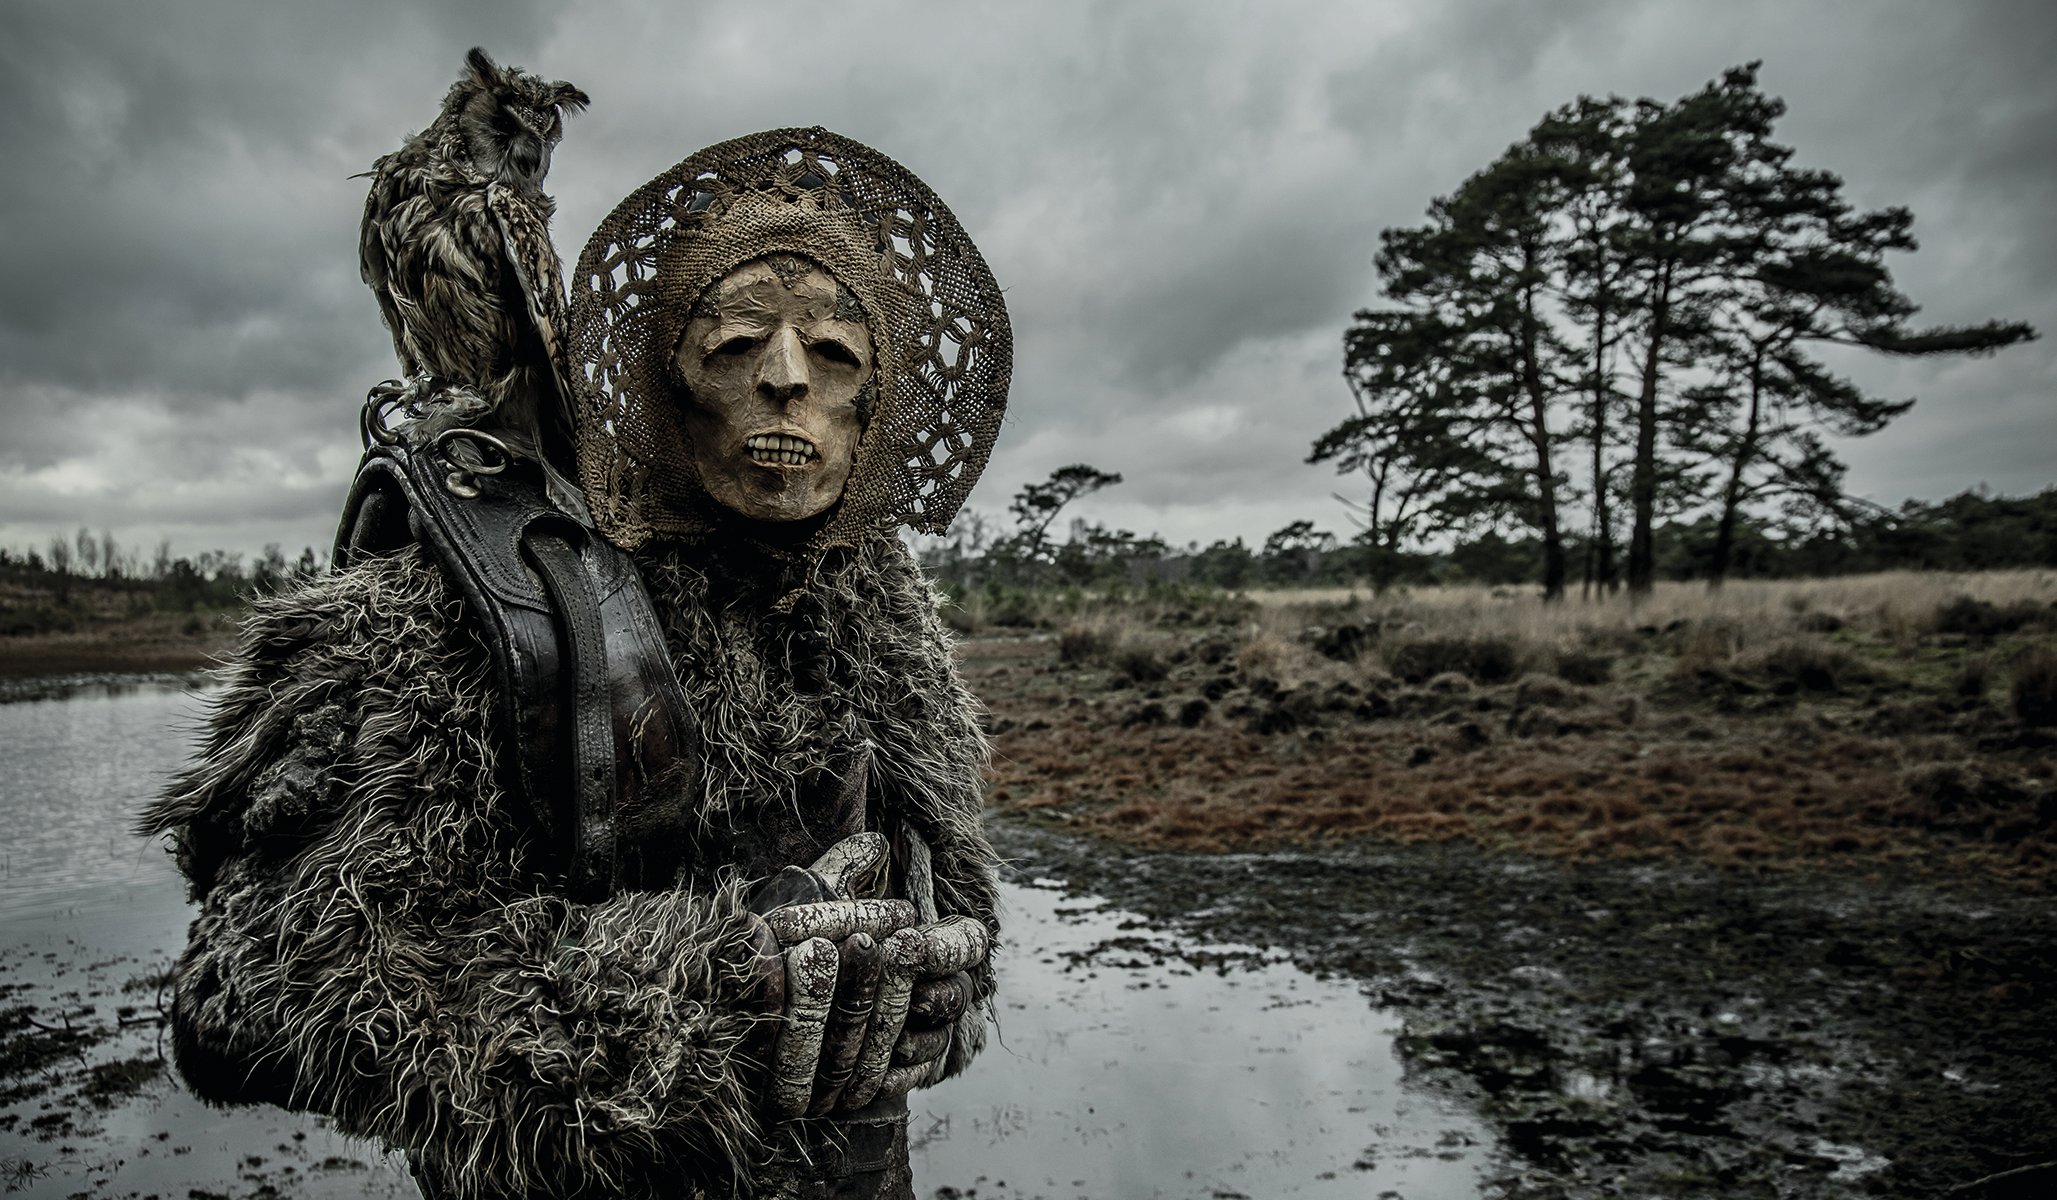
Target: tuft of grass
x,y
1973,677
1268,661
1587,668
1808,664
1139,662
1121,642
2034,690
1977,618
1709,644
1482,658
1083,642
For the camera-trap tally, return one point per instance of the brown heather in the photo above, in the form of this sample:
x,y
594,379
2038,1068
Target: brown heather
x,y
1877,720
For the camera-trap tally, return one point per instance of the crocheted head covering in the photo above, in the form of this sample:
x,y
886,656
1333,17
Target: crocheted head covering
x,y
939,329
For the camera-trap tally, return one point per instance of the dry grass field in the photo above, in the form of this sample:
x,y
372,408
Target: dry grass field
x,y
1898,717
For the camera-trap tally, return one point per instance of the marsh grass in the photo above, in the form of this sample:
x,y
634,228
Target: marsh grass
x,y
1003,608
1474,628
1770,722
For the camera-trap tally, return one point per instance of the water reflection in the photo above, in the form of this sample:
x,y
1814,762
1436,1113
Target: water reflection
x,y
73,774
1130,1064
1126,1063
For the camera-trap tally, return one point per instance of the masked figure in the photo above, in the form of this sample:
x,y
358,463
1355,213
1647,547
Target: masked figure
x,y
640,858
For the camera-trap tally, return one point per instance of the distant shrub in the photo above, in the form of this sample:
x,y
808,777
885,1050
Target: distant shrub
x,y
1011,608
1267,662
1973,677
1139,663
1082,642
960,617
1983,619
1544,692
1807,664
1706,645
1586,668
26,622
1451,683
1342,642
2034,691
1480,657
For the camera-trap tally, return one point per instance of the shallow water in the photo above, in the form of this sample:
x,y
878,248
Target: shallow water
x,y
1126,1063
89,916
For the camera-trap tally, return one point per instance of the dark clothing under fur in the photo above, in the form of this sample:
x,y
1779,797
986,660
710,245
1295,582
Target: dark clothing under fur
x,y
381,937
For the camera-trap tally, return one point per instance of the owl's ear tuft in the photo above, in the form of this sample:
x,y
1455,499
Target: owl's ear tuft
x,y
567,98
481,66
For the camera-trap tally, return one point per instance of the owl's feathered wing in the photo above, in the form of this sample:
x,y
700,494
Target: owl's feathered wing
x,y
537,275
432,252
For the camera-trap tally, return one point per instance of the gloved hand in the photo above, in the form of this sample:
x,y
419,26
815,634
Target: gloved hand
x,y
869,996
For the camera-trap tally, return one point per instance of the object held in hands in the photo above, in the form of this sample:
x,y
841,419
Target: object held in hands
x,y
870,996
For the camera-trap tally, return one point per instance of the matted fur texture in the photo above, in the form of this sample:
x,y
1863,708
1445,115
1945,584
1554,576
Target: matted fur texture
x,y
378,941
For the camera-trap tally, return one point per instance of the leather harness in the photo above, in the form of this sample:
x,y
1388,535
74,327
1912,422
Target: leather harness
x,y
606,754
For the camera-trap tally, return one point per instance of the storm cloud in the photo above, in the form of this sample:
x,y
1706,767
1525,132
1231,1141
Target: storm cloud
x,y
1182,201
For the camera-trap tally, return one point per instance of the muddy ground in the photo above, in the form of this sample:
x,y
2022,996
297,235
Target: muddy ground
x,y
1766,924
1659,1029
1629,1029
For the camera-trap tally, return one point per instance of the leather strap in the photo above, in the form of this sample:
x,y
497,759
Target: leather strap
x,y
591,719
593,865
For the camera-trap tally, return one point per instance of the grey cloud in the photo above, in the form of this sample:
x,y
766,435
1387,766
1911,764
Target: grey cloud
x,y
1182,201
192,227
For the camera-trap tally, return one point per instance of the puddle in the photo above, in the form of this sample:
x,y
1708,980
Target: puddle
x,y
89,919
1131,1064
1126,1063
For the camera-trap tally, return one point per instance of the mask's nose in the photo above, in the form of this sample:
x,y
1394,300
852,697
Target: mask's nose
x,y
782,370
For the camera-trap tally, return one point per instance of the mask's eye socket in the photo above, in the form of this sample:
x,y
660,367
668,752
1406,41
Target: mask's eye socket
x,y
732,346
837,351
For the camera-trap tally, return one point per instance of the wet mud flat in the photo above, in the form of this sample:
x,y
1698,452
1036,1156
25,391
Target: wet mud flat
x,y
1128,1060
1658,1029
88,1107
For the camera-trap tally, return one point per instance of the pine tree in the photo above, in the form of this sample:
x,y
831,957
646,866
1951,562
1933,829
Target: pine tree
x,y
1815,274
1415,438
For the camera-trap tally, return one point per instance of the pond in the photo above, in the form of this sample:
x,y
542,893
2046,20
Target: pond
x,y
1126,1062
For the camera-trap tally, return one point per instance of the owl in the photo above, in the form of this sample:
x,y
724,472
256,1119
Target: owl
x,y
456,246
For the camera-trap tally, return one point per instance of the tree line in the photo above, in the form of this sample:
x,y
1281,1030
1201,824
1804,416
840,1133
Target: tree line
x,y
154,577
1973,531
1623,315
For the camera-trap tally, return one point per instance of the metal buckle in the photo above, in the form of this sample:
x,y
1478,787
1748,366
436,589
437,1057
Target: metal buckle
x,y
492,453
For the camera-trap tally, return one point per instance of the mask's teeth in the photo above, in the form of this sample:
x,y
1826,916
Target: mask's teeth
x,y
780,448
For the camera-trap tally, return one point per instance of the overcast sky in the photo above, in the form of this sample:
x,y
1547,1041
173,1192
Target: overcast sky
x,y
1181,199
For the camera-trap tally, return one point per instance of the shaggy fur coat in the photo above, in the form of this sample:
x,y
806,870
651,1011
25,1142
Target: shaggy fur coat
x,y
379,939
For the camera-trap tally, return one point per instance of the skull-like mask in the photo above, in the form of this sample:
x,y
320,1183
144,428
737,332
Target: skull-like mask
x,y
777,364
